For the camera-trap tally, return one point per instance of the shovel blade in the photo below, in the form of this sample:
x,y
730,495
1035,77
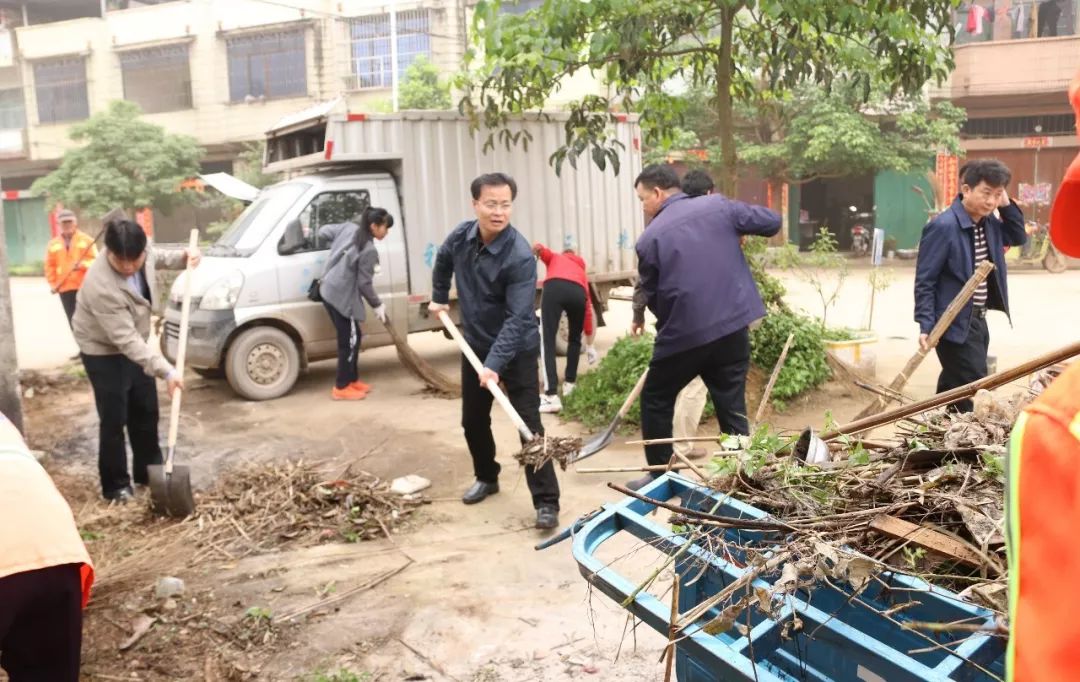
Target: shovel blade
x,y
596,444
170,494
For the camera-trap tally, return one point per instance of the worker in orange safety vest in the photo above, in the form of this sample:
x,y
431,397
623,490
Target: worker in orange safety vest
x,y
1044,497
67,257
45,571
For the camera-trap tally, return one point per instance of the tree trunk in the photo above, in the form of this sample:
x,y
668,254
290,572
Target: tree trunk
x,y
10,394
724,106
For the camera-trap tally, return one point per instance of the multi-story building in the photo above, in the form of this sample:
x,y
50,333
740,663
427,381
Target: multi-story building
x,y
1014,61
222,71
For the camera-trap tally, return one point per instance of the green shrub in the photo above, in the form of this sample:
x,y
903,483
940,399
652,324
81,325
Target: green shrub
x,y
600,393
805,367
36,269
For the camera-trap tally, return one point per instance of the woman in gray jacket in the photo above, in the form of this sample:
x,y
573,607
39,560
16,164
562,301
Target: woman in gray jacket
x,y
346,284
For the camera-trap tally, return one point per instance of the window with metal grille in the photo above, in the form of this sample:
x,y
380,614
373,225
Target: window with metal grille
x,y
370,46
1019,126
12,109
1027,19
267,65
60,89
157,78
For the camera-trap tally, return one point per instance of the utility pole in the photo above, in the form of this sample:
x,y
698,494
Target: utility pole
x,y
10,393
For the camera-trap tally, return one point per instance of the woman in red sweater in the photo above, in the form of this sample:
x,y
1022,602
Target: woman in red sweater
x,y
566,290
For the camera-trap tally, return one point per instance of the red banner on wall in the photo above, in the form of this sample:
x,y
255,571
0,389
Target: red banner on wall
x,y
947,171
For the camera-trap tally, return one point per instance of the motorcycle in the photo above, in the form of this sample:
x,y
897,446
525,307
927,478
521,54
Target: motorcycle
x,y
862,226
1038,248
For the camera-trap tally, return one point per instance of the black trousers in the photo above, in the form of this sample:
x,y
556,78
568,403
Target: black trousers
x,y
561,296
67,299
520,380
41,624
962,363
348,346
126,398
721,364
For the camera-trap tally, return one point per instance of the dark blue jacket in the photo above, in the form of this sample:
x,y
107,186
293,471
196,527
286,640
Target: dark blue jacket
x,y
496,288
693,273
947,261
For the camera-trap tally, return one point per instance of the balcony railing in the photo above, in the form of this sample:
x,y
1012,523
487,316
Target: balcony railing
x,y
984,21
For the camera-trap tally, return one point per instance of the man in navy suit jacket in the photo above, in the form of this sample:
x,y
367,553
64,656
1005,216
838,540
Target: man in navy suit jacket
x,y
695,279
952,245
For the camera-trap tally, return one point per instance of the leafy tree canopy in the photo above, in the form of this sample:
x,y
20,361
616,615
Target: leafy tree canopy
x,y
422,89
743,50
125,162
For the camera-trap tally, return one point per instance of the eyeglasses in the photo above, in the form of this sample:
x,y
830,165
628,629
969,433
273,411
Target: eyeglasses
x,y
496,206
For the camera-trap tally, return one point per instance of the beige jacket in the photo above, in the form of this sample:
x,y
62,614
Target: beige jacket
x,y
111,318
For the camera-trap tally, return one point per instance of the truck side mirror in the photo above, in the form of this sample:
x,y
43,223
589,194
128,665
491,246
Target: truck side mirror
x,y
293,240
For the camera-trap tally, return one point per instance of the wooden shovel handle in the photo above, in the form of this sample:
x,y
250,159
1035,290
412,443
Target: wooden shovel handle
x,y
181,352
500,397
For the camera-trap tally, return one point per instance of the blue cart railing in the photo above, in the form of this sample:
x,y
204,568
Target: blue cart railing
x,y
838,638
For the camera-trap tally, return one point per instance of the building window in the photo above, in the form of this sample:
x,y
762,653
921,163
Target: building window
x,y
60,87
267,65
1022,19
157,78
1019,126
370,46
12,109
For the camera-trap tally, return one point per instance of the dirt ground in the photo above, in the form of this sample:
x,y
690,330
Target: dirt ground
x,y
476,602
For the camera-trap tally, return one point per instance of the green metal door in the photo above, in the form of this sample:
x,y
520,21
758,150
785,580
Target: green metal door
x,y
901,211
26,226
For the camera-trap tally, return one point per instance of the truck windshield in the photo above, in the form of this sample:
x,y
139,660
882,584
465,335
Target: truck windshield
x,y
253,225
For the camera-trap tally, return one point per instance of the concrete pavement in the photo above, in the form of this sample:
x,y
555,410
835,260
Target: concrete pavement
x,y
42,336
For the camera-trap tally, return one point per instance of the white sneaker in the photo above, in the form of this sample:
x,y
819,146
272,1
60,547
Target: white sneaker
x,y
550,404
567,388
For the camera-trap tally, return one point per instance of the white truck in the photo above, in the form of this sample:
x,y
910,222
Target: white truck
x,y
251,320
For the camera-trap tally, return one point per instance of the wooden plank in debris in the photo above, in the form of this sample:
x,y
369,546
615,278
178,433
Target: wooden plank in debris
x,y
926,538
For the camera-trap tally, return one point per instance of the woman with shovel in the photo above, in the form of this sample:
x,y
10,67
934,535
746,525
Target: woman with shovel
x,y
112,324
346,284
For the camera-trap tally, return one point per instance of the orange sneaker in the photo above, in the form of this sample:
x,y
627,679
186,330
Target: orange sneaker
x,y
360,386
348,393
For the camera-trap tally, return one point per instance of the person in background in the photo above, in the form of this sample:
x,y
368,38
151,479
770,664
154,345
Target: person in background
x,y
346,284
690,405
697,283
45,571
495,272
112,324
953,244
565,290
1042,500
66,259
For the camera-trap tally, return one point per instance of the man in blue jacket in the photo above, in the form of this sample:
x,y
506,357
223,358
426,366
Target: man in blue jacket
x,y
697,283
952,245
496,285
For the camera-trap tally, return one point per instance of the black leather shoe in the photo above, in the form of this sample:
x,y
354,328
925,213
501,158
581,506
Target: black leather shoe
x,y
478,491
547,518
121,496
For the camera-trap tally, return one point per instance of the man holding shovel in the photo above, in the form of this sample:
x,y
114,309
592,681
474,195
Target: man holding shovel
x,y
495,272
697,283
66,259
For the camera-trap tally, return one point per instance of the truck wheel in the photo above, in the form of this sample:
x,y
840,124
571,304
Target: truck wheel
x,y
262,363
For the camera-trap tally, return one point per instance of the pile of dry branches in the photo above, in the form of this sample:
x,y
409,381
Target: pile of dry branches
x,y
250,511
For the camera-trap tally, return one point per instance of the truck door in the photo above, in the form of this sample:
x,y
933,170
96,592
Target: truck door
x,y
304,258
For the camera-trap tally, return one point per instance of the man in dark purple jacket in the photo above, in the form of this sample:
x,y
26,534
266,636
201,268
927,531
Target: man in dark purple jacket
x,y
697,283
